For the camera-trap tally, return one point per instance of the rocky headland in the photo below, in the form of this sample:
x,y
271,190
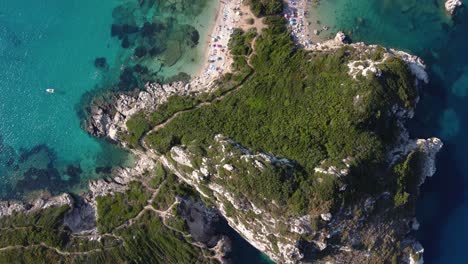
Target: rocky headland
x,y
374,226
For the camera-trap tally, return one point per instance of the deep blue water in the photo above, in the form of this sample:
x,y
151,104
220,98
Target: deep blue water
x,y
423,28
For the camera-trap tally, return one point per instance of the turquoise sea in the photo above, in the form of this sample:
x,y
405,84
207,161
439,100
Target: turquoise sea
x,y
54,44
82,48
423,28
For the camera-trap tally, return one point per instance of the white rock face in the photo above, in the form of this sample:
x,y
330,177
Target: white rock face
x,y
181,156
257,232
340,37
56,201
417,257
326,217
452,5
7,208
365,67
430,147
415,64
228,167
121,177
105,121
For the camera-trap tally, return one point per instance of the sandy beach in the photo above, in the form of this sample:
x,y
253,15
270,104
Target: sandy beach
x,y
231,14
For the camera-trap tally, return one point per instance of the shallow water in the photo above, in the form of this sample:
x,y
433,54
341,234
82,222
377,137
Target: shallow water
x,y
50,44
423,28
53,44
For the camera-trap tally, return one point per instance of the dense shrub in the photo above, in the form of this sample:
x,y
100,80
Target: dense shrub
x,y
266,7
299,105
114,210
239,43
136,126
407,175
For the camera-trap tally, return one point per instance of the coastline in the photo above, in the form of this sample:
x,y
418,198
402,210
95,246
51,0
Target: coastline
x,y
225,21
230,14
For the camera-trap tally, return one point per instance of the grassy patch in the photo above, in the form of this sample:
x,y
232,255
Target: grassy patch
x,y
114,210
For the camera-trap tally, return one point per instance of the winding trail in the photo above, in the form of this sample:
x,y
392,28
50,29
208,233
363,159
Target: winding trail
x,y
248,58
58,251
155,192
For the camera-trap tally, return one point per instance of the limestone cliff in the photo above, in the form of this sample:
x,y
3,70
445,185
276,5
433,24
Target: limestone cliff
x,y
358,231
451,6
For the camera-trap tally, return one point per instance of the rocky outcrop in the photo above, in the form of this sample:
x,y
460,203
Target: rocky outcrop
x,y
82,219
123,176
366,65
255,223
429,147
451,6
201,221
8,208
109,118
352,232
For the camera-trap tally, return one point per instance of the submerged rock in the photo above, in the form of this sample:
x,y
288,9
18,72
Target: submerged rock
x,y
149,29
193,37
101,63
121,30
127,80
172,53
140,52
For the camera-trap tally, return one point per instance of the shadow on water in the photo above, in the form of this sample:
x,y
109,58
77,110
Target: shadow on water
x,y
242,251
443,112
437,202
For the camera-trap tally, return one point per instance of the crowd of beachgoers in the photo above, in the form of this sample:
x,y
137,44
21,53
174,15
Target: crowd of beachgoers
x,y
217,59
233,14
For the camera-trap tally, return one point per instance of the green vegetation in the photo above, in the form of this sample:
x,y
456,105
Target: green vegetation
x,y
159,177
149,241
137,126
33,255
266,7
173,105
300,106
36,237
141,123
24,229
169,190
116,209
291,103
177,223
406,178
239,43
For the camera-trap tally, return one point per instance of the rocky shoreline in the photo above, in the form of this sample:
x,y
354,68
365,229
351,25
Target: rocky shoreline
x,y
451,6
291,253
109,119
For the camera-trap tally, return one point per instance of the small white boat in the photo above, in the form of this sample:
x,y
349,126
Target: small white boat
x,y
50,90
